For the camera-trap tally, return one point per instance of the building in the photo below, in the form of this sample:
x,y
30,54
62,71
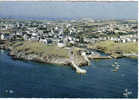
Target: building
x,y
2,37
43,41
60,44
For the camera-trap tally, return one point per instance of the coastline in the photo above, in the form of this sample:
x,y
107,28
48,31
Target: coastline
x,y
59,60
116,50
50,59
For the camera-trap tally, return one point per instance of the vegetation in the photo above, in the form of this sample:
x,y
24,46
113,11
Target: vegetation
x,y
34,47
112,47
77,55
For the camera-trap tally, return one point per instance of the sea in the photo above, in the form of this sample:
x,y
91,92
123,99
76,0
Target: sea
x,y
27,79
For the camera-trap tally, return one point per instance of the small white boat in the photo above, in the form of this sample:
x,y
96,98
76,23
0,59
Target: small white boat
x,y
127,93
115,70
113,65
117,67
1,51
11,91
115,62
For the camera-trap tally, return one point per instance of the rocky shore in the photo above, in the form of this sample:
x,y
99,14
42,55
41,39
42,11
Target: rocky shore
x,y
37,58
51,59
116,50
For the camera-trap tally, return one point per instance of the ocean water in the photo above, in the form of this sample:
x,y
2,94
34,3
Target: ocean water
x,y
26,79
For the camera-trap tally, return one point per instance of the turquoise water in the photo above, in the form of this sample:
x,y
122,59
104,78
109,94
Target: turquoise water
x,y
29,79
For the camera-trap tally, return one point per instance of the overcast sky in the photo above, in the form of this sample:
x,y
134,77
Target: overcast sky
x,y
96,10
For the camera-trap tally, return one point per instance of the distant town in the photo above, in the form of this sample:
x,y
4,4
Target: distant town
x,y
74,32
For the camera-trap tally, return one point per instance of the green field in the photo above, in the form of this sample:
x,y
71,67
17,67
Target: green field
x,y
34,47
112,47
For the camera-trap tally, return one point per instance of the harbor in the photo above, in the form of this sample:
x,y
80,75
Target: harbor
x,y
53,81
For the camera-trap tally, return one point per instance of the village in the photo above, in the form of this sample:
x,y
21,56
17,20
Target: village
x,y
66,33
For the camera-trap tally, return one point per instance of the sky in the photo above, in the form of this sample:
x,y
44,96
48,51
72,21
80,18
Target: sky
x,y
95,10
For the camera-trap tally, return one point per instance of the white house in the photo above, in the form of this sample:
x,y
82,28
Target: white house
x,y
83,53
2,37
71,31
128,39
33,38
61,45
70,38
134,40
56,28
34,34
43,41
25,37
123,40
72,42
19,33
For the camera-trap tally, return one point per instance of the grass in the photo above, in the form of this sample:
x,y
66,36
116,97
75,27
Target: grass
x,y
111,47
77,56
34,47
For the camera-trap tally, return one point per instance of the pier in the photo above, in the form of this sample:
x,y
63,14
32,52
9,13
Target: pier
x,y
99,57
78,69
75,66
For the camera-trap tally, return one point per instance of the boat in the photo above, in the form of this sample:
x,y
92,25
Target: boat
x,y
127,93
1,51
115,62
117,67
115,70
113,65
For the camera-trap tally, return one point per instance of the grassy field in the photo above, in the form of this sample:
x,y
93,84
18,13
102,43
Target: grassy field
x,y
34,47
112,47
